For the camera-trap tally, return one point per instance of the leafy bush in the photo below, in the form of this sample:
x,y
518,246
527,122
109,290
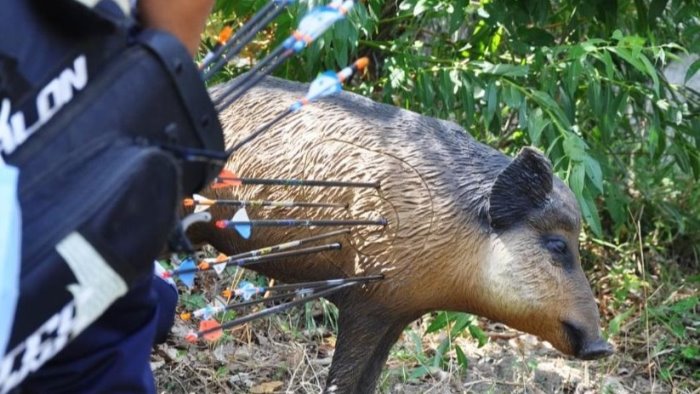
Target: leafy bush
x,y
581,80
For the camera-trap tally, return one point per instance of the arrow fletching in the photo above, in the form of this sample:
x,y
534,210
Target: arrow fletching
x,y
247,290
187,278
212,330
243,226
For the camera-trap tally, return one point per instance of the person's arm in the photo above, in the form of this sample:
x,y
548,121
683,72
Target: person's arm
x,y
185,19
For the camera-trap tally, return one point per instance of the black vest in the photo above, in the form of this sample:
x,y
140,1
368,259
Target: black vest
x,y
108,125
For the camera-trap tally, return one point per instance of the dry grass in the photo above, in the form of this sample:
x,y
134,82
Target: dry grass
x,y
268,357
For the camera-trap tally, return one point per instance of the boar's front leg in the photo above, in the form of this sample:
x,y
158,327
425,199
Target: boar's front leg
x,y
365,336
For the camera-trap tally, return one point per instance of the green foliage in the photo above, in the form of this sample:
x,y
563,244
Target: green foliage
x,y
581,80
455,324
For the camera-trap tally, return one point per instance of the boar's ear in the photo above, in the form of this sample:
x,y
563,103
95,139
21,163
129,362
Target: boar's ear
x,y
522,186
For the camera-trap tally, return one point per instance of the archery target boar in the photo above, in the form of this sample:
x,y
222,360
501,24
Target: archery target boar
x,y
469,229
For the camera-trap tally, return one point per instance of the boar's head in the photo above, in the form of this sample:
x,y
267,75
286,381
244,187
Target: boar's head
x,y
531,276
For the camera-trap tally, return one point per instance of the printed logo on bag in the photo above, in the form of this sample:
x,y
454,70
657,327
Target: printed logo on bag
x,y
97,286
50,99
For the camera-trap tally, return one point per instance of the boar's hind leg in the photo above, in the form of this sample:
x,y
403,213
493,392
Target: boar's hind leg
x,y
364,340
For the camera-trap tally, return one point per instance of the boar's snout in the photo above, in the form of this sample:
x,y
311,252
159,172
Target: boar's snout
x,y
586,347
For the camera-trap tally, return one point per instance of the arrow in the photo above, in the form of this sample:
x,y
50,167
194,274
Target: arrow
x,y
216,331
244,226
324,85
202,203
289,245
214,262
243,36
218,263
227,179
187,276
224,36
311,26
210,326
189,271
247,290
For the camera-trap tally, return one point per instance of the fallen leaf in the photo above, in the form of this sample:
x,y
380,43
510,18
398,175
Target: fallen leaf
x,y
266,388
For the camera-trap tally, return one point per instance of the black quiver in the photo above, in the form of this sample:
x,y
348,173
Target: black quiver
x,y
110,127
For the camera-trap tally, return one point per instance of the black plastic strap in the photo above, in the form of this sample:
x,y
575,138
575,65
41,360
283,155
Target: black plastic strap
x,y
193,94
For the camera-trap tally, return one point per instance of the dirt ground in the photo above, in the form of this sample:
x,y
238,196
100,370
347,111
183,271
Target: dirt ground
x,y
272,357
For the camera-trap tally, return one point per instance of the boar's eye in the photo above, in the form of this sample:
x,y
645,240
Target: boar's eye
x,y
556,245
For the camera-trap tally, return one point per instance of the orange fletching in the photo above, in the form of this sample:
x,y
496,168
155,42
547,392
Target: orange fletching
x,y
227,174
227,293
221,257
203,266
211,324
225,34
362,63
226,178
191,337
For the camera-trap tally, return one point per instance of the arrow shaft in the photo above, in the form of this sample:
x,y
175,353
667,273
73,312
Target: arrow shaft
x,y
248,261
289,245
251,260
303,223
301,182
259,131
257,73
275,204
241,305
275,309
320,283
242,37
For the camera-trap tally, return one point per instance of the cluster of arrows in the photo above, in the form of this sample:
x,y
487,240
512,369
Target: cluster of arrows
x,y
246,294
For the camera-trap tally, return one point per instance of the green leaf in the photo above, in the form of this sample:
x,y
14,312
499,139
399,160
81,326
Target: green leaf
x,y
651,71
574,147
590,213
616,322
512,96
462,321
419,372
420,7
690,352
508,70
491,102
478,334
594,173
630,58
193,301
692,70
609,65
535,124
439,322
462,359
577,178
546,101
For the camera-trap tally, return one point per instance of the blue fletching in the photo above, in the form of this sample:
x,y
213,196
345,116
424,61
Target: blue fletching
x,y
325,84
318,21
187,278
245,229
247,290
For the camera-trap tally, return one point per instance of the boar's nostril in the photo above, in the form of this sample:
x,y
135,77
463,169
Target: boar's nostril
x,y
595,350
583,347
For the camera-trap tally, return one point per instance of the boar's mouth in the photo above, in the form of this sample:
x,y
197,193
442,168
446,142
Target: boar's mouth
x,y
585,347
